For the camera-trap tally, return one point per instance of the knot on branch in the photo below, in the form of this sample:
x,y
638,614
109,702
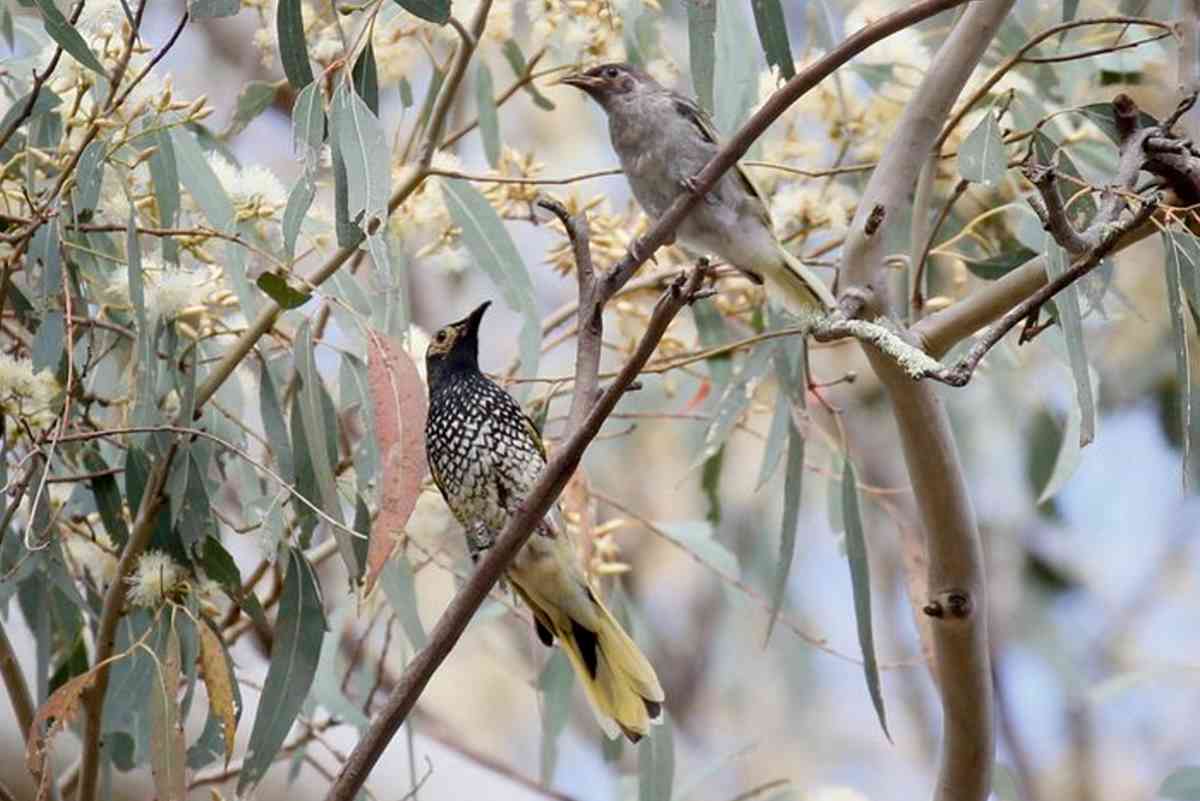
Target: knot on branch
x,y
952,604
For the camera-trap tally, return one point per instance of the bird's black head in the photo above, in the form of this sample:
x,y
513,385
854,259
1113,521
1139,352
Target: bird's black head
x,y
454,348
606,83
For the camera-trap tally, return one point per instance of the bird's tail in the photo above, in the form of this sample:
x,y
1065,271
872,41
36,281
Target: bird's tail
x,y
802,291
619,681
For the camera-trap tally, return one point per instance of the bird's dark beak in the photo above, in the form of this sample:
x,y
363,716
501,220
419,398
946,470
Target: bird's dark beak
x,y
475,317
581,81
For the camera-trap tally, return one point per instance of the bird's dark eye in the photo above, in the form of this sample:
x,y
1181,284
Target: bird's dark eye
x,y
611,73
441,335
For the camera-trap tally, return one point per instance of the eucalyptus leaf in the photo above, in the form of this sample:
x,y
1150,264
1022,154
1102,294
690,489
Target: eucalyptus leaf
x,y
555,683
293,50
516,60
400,589
436,11
366,78
362,145
255,98
277,288
735,74
202,9
489,120
656,763
1071,319
1189,394
68,38
490,245
982,157
1182,785
299,635
702,29
773,34
860,579
275,425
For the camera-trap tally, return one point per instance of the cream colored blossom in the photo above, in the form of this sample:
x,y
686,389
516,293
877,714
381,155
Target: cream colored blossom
x,y
254,190
25,394
156,579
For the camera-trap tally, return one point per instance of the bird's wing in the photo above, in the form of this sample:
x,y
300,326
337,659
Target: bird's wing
x,y
534,434
689,109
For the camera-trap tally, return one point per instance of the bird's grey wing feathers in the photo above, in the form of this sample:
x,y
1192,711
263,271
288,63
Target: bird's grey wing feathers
x,y
699,117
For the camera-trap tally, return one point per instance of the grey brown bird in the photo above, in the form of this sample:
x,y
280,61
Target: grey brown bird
x,y
663,140
486,456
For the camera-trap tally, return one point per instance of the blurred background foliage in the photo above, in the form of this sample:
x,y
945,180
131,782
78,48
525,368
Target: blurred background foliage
x,y
220,156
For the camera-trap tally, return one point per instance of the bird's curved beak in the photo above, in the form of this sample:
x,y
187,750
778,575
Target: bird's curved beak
x,y
581,81
474,318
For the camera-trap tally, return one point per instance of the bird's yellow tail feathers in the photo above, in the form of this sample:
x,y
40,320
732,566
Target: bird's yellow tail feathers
x,y
617,678
619,682
802,291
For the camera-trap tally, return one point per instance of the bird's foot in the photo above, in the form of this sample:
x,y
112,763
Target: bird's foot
x,y
690,186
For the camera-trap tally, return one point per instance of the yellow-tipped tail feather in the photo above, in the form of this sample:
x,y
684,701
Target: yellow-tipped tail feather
x,y
802,291
619,682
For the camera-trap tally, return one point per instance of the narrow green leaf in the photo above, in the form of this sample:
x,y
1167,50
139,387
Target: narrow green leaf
x,y
698,537
278,289
299,634
734,401
164,174
712,332
167,760
406,93
490,245
710,483
792,487
45,259
308,119
735,74
1182,785
45,101
516,60
1103,117
702,29
293,51
47,349
202,9
89,175
777,440
312,414
489,119
255,98
389,297
362,145
400,588
773,34
860,579
1071,320
197,175
555,683
982,157
436,11
107,493
275,425
1189,402
69,39
300,200
1000,265
366,78
656,763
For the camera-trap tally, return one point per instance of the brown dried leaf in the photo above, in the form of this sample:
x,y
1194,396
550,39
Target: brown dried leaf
x,y
398,400
61,708
218,680
167,753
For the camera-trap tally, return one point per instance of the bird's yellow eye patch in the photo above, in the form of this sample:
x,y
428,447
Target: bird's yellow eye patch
x,y
443,340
